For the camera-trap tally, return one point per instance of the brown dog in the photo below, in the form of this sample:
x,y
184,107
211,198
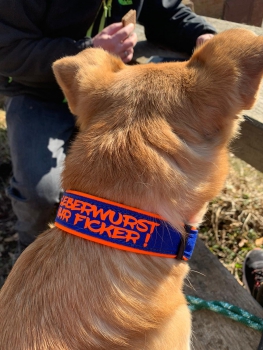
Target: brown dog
x,y
153,137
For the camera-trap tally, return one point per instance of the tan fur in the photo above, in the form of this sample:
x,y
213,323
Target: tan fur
x,y
154,137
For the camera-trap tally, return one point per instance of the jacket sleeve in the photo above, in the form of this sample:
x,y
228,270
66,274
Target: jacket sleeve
x,y
171,24
26,54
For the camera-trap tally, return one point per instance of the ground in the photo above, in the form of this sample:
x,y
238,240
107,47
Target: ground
x,y
233,224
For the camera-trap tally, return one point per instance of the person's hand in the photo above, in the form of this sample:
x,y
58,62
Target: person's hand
x,y
203,38
118,40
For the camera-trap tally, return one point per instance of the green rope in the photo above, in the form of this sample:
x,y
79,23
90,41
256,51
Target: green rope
x,y
228,310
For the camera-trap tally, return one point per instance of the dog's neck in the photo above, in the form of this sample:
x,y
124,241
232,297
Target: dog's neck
x,y
126,166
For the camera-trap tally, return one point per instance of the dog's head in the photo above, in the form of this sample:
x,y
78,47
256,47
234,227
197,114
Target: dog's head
x,y
155,136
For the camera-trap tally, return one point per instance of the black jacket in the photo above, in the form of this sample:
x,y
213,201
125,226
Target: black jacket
x,y
34,33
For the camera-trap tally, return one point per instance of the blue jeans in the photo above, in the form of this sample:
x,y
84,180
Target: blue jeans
x,y
39,134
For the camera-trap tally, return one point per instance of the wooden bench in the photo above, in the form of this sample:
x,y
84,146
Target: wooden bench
x,y
208,278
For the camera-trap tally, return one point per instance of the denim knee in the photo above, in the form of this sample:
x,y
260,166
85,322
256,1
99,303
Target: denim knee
x,y
43,195
34,207
39,134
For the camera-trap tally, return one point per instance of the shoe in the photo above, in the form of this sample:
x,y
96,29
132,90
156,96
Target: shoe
x,y
253,274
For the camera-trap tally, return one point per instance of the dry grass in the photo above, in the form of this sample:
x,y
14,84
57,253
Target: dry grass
x,y
233,224
234,221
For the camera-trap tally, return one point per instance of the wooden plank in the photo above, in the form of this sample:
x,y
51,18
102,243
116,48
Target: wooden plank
x,y
249,145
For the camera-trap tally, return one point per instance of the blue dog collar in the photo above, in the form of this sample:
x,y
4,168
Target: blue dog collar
x,y
122,227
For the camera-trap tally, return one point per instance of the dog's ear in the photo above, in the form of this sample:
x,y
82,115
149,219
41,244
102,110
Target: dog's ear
x,y
221,79
234,60
79,75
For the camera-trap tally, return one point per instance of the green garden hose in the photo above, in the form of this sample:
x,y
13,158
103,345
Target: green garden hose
x,y
228,310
